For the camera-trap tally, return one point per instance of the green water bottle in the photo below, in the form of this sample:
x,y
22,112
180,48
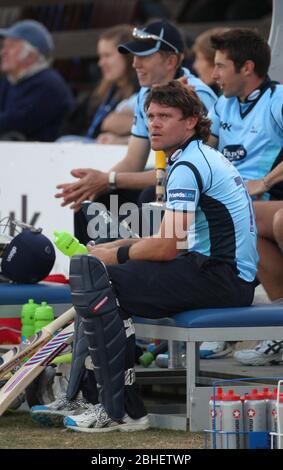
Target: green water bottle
x,y
27,318
68,244
43,316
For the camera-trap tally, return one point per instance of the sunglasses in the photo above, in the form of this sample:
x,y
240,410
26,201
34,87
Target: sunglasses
x,y
143,35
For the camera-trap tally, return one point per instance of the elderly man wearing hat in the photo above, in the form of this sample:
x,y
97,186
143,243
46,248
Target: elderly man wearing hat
x,y
158,51
33,96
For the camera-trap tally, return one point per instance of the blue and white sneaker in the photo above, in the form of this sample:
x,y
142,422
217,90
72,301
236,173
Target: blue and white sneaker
x,y
95,419
54,413
214,349
266,353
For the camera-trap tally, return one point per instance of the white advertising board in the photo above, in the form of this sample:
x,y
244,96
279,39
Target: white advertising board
x,y
29,174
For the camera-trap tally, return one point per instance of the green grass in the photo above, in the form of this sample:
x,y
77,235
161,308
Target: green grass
x,y
18,431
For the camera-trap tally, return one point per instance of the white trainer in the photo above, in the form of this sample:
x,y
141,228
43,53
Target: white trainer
x,y
267,352
54,413
213,349
95,419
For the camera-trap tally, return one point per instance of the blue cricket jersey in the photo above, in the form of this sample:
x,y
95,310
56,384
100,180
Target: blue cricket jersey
x,y
203,181
204,92
250,133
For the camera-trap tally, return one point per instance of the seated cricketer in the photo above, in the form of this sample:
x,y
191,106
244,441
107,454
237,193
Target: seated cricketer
x,y
206,244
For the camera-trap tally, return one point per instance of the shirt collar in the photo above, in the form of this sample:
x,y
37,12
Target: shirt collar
x,y
35,68
177,153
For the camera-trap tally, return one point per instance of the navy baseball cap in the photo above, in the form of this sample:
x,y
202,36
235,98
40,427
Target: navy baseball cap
x,y
154,37
32,32
28,258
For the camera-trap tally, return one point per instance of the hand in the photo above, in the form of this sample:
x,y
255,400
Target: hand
x,y
90,184
256,188
107,255
184,81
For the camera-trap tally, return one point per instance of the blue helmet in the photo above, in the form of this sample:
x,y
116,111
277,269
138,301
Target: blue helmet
x,y
28,258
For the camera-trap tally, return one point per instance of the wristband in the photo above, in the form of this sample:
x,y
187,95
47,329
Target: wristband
x,y
123,254
112,180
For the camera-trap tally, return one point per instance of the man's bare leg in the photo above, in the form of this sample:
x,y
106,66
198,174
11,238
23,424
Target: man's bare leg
x,y
270,268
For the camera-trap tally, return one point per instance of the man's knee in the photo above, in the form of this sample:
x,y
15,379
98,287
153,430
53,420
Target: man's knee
x,y
92,293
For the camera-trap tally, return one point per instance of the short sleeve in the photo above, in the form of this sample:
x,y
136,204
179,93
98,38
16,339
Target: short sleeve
x,y
215,120
139,127
182,190
276,109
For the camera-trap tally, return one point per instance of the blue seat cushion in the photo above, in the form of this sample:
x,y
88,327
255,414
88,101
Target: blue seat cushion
x,y
255,315
18,294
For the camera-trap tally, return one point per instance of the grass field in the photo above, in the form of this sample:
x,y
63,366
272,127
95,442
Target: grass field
x,y
18,431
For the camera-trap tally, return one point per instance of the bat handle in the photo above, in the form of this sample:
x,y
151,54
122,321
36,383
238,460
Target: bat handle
x,y
60,321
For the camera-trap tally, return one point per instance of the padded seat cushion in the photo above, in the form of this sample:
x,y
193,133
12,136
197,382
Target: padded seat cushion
x,y
255,315
18,294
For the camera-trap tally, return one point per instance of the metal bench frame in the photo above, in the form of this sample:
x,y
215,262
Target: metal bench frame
x,y
197,397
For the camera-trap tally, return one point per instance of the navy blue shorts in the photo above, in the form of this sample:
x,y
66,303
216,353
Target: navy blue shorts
x,y
190,281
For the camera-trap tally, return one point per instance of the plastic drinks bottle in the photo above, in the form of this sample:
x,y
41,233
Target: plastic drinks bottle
x,y
215,418
273,416
43,316
255,416
161,360
68,244
232,421
148,357
27,318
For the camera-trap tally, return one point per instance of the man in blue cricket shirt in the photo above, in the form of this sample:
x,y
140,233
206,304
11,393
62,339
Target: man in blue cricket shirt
x,y
158,51
247,127
206,243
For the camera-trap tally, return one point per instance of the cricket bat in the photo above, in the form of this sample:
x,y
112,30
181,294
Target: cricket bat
x,y
34,366
13,358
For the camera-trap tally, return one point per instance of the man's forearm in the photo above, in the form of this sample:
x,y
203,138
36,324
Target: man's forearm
x,y
153,249
137,180
118,123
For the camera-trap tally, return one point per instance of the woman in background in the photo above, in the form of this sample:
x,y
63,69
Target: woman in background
x,y
106,115
204,57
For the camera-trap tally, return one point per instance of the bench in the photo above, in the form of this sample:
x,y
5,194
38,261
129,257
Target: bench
x,y
258,322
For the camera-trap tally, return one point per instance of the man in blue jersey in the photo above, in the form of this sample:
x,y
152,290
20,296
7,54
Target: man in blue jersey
x,y
247,127
158,51
247,120
206,244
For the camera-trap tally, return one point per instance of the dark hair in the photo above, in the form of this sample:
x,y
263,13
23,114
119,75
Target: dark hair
x,y
177,95
243,44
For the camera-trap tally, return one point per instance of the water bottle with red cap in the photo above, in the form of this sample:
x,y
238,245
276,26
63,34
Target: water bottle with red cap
x,y
275,418
232,421
215,418
255,419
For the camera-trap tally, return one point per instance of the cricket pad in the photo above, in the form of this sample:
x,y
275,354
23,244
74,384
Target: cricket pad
x,y
95,302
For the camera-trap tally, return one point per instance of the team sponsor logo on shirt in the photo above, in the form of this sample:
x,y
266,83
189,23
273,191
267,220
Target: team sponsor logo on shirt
x,y
234,153
182,195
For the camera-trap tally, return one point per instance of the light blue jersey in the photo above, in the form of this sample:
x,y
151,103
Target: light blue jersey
x,y
205,94
251,133
203,181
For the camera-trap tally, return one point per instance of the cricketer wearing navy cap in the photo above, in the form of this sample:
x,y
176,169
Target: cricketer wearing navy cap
x,y
156,36
32,32
158,52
